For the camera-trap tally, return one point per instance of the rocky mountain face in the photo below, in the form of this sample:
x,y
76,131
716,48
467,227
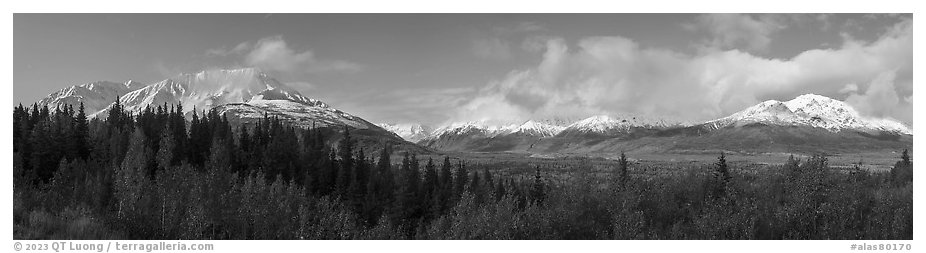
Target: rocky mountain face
x,y
244,95
96,96
809,122
810,110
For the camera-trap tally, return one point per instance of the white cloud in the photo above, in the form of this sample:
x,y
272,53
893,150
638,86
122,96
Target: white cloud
x,y
881,99
616,75
850,88
274,54
740,31
496,44
222,51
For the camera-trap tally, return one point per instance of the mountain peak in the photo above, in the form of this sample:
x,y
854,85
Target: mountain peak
x,y
412,132
607,123
95,95
210,88
535,128
809,110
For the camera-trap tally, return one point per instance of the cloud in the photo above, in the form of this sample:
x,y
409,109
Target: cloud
x,y
615,75
881,100
824,19
496,44
743,31
492,48
274,54
222,51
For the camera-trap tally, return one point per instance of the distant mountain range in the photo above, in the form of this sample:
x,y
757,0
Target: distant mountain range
x,y
245,95
806,123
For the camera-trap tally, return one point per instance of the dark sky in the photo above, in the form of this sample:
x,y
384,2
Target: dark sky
x,y
433,68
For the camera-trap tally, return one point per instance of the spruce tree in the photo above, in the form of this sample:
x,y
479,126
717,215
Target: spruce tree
x,y
430,188
80,141
500,191
622,167
460,179
346,162
537,192
721,176
165,154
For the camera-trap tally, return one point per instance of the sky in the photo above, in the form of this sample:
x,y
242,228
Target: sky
x,y
439,68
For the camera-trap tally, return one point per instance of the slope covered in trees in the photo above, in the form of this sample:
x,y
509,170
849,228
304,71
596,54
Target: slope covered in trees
x,y
156,175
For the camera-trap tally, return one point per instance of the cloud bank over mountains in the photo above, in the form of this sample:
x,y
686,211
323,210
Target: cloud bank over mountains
x,y
614,74
274,54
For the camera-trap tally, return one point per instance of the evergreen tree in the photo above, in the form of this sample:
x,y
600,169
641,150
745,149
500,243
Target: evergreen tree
x,y
359,181
165,154
902,172
43,159
131,179
538,193
460,180
475,187
220,155
445,193
446,175
489,181
500,190
346,160
430,189
380,196
622,166
721,177
80,141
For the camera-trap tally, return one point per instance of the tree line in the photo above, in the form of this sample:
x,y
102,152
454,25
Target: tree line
x,y
160,174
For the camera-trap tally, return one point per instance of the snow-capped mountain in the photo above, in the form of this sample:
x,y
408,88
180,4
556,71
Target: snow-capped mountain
x,y
528,128
810,123
246,94
608,125
293,112
412,132
96,95
208,89
535,128
483,136
812,111
470,128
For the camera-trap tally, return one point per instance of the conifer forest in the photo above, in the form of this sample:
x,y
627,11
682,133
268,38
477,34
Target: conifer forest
x,y
160,174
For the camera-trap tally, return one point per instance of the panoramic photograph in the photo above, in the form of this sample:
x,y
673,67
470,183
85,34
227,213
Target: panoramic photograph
x,y
492,126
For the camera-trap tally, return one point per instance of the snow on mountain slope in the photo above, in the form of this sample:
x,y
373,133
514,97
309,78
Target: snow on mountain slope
x,y
606,124
470,128
96,95
534,128
539,128
809,110
528,128
211,88
412,132
294,112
